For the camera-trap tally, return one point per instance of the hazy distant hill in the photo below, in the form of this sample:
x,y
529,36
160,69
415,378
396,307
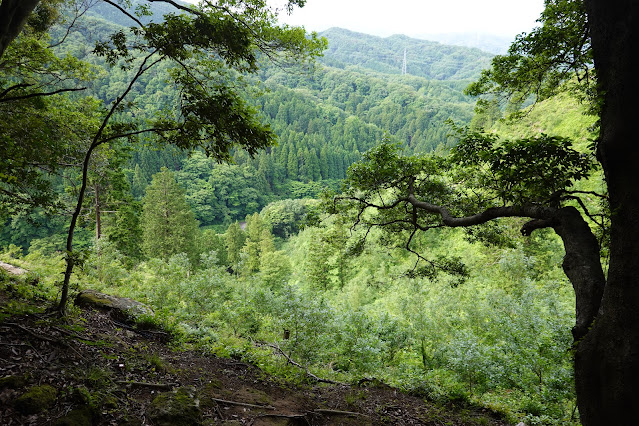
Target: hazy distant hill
x,y
428,59
487,42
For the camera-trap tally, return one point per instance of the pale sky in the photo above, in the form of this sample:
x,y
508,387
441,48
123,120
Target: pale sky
x,y
418,17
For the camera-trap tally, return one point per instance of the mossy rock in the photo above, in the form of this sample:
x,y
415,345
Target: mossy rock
x,y
12,382
131,421
81,416
36,399
122,308
178,408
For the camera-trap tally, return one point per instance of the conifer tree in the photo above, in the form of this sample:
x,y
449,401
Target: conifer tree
x,y
138,182
234,239
168,224
259,241
292,164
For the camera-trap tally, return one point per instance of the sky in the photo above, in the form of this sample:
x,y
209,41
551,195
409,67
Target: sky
x,y
415,18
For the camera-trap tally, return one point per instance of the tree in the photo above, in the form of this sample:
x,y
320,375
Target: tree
x,y
285,217
168,224
234,239
252,250
33,80
608,356
486,179
209,47
211,241
14,15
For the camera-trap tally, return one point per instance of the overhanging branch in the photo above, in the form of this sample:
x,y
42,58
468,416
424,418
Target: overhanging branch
x,y
37,94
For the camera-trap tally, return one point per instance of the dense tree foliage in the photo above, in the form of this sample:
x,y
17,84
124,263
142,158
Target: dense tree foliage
x,y
534,179
342,301
211,113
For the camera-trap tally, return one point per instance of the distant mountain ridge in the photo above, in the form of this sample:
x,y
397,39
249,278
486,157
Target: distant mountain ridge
x,y
428,59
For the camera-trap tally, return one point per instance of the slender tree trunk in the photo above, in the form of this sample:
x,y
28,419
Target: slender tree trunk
x,y
607,359
70,259
98,218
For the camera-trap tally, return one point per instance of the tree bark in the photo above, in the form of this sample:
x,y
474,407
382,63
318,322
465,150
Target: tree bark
x,y
582,266
13,17
607,359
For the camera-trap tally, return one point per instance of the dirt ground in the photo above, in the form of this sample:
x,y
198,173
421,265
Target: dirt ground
x,y
119,372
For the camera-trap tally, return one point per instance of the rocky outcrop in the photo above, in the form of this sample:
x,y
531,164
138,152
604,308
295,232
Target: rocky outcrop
x,y
122,308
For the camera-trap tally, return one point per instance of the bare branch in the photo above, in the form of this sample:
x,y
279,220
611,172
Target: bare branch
x,y
37,94
125,12
78,14
292,362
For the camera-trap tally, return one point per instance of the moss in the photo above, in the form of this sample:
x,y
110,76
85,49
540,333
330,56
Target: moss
x,y
177,408
12,382
36,399
82,416
131,422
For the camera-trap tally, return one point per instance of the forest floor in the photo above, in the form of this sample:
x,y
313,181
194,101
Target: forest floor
x,y
92,369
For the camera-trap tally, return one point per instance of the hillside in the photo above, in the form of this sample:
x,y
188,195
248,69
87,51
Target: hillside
x,y
324,120
428,59
95,369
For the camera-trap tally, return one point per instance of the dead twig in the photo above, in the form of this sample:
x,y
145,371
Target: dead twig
x,y
291,361
167,386
242,404
33,333
337,412
74,335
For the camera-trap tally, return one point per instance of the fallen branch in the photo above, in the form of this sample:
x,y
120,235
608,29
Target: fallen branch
x,y
167,386
292,362
338,412
243,404
34,334
297,417
74,335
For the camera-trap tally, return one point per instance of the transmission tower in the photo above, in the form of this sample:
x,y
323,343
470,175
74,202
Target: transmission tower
x,y
404,63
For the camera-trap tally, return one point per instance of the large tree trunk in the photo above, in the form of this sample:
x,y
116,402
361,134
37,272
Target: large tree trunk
x,y
607,359
13,17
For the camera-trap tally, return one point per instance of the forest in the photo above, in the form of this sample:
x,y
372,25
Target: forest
x,y
295,201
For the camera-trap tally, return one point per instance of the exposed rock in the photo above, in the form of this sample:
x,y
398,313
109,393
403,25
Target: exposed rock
x,y
36,399
122,307
12,269
178,408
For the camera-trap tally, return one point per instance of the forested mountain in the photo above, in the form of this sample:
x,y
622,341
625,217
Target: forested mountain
x,y
259,257
324,118
429,59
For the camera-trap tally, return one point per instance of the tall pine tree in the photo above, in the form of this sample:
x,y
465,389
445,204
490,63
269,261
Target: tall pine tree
x,y
168,224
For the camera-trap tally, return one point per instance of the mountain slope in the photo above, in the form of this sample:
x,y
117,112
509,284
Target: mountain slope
x,y
95,370
427,59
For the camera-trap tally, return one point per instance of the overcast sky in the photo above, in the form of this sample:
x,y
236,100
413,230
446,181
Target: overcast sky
x,y
418,17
